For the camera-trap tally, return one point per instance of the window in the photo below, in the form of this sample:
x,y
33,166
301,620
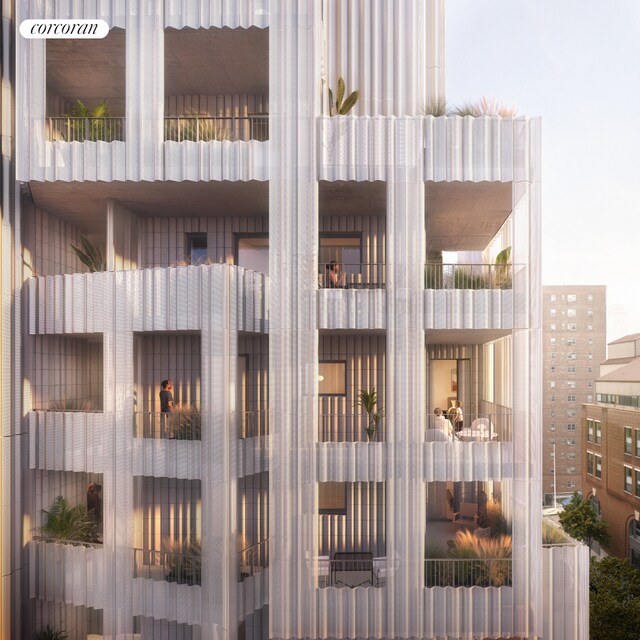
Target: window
x,y
571,384
589,369
552,297
196,249
332,498
571,484
571,456
553,398
589,463
598,427
553,354
571,413
552,326
571,355
571,297
571,469
637,476
590,355
598,461
589,327
572,326
552,427
553,313
571,313
553,413
628,440
590,341
638,443
571,342
345,250
252,252
590,313
553,369
552,384
628,479
571,442
553,340
589,398
590,430
571,369
571,398
590,384
571,426
332,378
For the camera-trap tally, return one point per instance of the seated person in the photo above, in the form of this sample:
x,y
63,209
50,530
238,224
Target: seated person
x,y
335,278
442,424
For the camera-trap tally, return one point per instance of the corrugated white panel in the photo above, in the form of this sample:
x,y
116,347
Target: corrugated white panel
x,y
167,458
566,590
167,600
68,441
198,14
252,456
456,461
215,160
253,593
68,573
476,612
81,161
352,309
112,11
352,461
468,309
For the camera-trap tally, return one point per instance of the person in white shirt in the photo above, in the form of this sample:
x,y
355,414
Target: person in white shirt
x,y
443,424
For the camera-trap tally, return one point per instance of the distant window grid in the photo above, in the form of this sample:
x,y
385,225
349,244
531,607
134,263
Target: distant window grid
x,y
571,470
553,313
571,426
553,340
571,313
552,297
571,484
553,326
571,369
628,479
571,398
572,326
571,355
571,442
571,384
589,297
571,342
589,398
589,327
590,313
553,369
571,413
552,384
571,456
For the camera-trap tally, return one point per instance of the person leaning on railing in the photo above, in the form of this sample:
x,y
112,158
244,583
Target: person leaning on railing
x,y
166,406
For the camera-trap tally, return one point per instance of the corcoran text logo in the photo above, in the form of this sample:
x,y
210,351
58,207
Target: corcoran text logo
x,y
43,29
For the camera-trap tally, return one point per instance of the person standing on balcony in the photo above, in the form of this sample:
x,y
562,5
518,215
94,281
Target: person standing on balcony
x,y
442,424
166,407
458,417
334,278
94,509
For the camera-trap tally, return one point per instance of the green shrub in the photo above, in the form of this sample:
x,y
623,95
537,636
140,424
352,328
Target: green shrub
x,y
68,523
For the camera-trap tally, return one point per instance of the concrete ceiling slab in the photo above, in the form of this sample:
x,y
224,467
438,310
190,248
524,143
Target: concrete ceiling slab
x,y
89,70
465,216
85,203
352,198
216,61
465,336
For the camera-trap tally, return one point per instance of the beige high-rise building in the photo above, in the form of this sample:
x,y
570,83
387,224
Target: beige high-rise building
x,y
574,344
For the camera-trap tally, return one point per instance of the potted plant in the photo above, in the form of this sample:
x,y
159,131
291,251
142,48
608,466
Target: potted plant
x,y
68,523
368,400
51,633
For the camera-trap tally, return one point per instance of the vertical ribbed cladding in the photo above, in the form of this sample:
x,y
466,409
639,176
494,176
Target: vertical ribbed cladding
x,y
406,388
219,520
527,381
144,57
204,14
381,49
294,72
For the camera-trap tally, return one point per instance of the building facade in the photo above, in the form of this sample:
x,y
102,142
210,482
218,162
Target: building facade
x,y
611,447
283,268
574,324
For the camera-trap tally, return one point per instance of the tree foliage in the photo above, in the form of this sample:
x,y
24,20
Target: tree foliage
x,y
581,522
614,600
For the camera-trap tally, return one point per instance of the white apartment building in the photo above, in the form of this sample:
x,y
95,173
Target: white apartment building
x,y
220,190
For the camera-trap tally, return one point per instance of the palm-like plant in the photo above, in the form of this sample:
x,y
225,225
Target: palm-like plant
x,y
51,633
503,269
186,423
436,108
183,560
342,105
93,125
90,255
368,400
68,523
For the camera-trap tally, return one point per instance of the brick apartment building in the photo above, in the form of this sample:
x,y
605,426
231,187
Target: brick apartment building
x,y
574,326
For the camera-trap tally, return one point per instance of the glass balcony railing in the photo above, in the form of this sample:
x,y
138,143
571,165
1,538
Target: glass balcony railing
x,y
468,276
480,427
68,129
177,425
468,572
359,275
253,424
340,427
181,568
221,128
253,559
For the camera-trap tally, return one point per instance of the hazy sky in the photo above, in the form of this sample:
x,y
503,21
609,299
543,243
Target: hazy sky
x,y
575,63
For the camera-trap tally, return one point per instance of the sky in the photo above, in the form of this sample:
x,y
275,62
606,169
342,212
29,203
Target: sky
x,y
576,64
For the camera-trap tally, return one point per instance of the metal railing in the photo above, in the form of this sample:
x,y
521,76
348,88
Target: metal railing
x,y
253,424
69,129
220,128
480,427
359,275
468,276
253,559
177,425
172,567
468,572
341,427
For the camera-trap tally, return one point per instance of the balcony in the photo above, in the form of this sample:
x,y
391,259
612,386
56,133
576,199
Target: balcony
x,y
469,276
177,425
181,568
468,572
340,427
253,424
253,560
203,128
